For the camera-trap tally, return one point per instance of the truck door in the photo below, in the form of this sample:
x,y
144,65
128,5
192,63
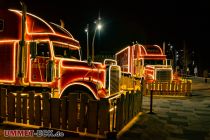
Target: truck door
x,y
40,63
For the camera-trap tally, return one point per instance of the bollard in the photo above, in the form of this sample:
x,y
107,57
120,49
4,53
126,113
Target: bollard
x,y
151,102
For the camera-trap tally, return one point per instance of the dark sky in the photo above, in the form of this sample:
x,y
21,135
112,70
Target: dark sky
x,y
145,21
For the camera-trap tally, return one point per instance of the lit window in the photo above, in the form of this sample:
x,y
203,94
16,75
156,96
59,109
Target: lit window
x,y
65,51
43,49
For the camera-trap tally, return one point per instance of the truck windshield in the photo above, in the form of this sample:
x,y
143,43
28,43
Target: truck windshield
x,y
153,62
65,51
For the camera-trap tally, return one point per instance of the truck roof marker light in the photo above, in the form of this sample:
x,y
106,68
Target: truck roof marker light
x,y
14,56
79,83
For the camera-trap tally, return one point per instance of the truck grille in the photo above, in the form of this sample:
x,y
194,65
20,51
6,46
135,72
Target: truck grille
x,y
164,75
114,79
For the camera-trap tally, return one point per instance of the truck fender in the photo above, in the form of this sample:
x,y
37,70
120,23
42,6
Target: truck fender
x,y
80,87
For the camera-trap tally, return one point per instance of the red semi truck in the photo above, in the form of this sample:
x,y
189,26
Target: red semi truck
x,y
43,56
144,62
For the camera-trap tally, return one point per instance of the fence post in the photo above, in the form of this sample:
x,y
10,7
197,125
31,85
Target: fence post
x,y
144,87
126,107
135,103
131,104
24,108
151,102
31,107
92,117
183,88
173,88
189,88
119,113
38,110
72,111
157,88
11,107
140,94
46,109
18,107
168,88
179,88
83,113
64,112
104,116
3,101
55,112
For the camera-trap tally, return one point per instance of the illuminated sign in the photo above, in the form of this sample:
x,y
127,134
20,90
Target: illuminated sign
x,y
1,25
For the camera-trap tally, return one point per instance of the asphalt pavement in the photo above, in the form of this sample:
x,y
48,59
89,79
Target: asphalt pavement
x,y
174,118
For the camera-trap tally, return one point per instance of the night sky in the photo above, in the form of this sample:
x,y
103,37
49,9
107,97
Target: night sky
x,y
145,21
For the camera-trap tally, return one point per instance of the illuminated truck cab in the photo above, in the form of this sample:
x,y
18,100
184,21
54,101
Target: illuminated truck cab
x,y
144,61
49,60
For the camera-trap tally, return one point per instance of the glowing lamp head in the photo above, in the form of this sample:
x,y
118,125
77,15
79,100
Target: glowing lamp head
x,y
99,26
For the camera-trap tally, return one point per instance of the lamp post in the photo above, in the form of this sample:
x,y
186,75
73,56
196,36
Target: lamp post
x,y
87,30
174,55
98,27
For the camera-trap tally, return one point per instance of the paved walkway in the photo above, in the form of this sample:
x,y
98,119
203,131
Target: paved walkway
x,y
175,118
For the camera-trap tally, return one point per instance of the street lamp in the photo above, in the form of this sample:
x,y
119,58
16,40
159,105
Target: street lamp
x,y
174,55
98,27
87,30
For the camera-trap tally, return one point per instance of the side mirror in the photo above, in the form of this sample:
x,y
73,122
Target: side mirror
x,y
33,49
